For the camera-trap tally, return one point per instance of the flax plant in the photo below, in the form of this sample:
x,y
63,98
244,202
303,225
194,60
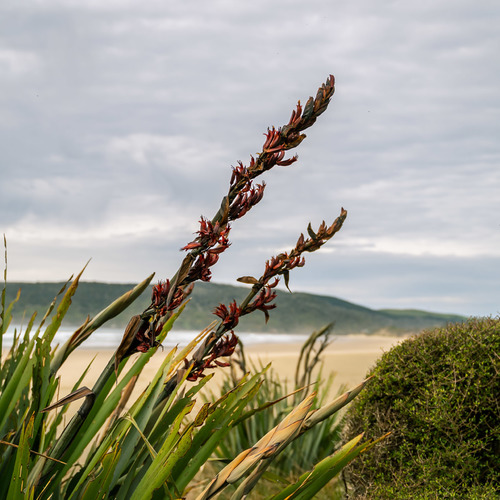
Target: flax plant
x,y
156,447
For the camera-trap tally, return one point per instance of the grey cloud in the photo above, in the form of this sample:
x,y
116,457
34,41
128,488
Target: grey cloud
x,y
443,284
118,112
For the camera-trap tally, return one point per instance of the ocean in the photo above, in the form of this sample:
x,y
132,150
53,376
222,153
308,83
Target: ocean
x,y
109,338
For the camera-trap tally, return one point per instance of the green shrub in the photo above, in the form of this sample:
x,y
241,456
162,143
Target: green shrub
x,y
438,393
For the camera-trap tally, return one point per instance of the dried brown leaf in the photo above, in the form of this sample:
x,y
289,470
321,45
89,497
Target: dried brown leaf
x,y
74,396
249,280
128,337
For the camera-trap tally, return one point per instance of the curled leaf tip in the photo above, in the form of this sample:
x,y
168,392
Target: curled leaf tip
x,y
249,280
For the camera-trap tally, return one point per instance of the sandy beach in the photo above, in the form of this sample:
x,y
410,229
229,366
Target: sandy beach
x,y
348,360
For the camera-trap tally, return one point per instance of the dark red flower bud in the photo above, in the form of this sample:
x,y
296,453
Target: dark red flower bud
x,y
160,292
230,317
286,163
191,246
273,141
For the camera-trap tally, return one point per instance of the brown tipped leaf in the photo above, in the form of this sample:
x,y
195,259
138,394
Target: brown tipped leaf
x,y
323,413
270,444
83,392
131,330
249,280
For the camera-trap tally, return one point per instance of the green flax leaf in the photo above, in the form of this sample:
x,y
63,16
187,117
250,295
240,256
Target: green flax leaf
x,y
18,489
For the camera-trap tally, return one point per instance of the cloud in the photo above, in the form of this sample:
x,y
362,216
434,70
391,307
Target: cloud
x,y
181,154
16,63
461,285
119,122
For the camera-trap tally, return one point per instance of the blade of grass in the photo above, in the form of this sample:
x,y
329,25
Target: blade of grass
x,y
330,466
98,488
3,322
327,469
160,467
6,317
326,411
62,309
19,479
15,386
15,354
115,308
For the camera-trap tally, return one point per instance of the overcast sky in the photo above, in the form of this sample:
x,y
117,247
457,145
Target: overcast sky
x,y
120,120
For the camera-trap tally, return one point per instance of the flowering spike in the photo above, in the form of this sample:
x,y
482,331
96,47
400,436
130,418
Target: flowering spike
x,y
212,239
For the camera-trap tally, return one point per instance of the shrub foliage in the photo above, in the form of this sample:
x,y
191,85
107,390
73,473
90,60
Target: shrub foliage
x,y
438,394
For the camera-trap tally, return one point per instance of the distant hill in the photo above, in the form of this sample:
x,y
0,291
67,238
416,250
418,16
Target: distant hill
x,y
296,312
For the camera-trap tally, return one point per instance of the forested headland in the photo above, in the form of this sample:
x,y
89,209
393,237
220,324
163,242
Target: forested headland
x,y
295,312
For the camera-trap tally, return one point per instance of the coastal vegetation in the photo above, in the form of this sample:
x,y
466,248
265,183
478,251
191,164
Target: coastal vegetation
x,y
438,395
424,425
157,445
